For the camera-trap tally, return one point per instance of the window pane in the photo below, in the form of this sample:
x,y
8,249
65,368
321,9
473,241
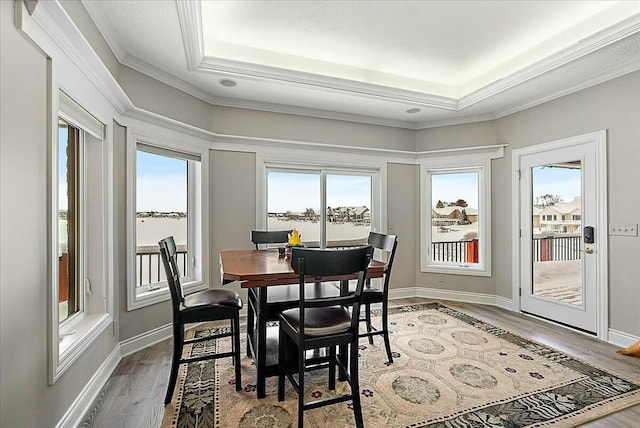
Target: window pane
x,y
454,217
293,202
348,210
68,220
161,211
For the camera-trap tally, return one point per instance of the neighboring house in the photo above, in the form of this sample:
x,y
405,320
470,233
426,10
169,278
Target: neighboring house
x,y
451,215
564,217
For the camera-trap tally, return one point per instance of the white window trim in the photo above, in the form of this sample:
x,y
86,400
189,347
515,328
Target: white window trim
x,y
198,208
315,160
68,340
462,160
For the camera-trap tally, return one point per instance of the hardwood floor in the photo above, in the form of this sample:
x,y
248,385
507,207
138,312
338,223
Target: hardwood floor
x,y
133,397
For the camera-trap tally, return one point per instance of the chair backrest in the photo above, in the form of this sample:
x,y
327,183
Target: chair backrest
x,y
313,264
387,243
168,253
270,236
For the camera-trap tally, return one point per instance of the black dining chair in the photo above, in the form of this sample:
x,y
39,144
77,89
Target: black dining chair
x,y
279,297
323,323
373,295
202,306
265,237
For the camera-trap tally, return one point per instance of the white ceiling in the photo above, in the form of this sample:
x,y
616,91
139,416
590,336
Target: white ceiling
x,y
371,61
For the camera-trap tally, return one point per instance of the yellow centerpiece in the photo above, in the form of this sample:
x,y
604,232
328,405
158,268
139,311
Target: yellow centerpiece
x,y
295,239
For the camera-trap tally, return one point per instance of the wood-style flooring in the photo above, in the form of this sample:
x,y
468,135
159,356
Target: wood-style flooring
x,y
133,396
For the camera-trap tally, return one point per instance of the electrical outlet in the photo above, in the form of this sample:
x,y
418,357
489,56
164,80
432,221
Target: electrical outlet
x,y
441,277
623,230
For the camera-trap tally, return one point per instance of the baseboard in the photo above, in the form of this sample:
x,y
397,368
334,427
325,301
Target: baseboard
x,y
465,297
87,397
621,339
146,339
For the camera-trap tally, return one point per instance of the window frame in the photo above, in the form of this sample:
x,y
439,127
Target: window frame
x,y
322,169
67,340
197,215
475,159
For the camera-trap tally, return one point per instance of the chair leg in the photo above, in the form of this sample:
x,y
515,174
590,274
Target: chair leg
x,y
332,368
236,351
178,341
367,314
355,385
301,356
282,349
385,332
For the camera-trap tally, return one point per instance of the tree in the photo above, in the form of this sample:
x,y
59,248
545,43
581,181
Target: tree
x,y
548,200
439,204
461,203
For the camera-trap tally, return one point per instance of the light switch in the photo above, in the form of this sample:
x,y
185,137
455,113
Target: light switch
x,y
616,230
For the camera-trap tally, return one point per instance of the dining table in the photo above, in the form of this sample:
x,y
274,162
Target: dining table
x,y
258,271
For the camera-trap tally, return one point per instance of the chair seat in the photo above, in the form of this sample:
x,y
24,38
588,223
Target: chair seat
x,y
320,321
207,299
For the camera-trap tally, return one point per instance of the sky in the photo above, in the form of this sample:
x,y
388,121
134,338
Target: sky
x,y
565,182
161,183
295,192
450,187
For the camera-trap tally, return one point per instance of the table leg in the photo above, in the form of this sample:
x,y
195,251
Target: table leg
x,y
250,320
261,350
342,349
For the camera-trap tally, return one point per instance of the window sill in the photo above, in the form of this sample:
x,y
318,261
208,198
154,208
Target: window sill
x,y
456,270
161,294
76,338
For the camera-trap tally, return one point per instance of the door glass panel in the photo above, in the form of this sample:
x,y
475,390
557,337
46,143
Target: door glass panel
x,y
556,234
454,217
348,210
293,202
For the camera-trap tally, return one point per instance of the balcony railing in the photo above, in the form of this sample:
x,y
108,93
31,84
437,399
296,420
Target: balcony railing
x,y
149,269
455,251
556,248
548,249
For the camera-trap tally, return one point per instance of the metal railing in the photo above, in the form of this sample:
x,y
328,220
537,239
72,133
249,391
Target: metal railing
x,y
551,248
556,248
449,251
149,269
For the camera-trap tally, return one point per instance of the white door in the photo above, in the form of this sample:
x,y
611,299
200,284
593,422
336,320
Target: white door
x,y
559,236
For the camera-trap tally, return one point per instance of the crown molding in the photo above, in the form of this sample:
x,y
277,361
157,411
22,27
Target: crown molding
x,y
104,27
587,46
606,75
190,17
50,24
164,77
456,121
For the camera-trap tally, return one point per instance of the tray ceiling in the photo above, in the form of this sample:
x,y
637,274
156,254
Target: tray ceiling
x,y
400,63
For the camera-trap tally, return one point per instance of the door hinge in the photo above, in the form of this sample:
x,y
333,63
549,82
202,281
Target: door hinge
x,y
519,174
520,233
520,291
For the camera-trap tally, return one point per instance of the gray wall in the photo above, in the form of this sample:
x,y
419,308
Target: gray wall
x,y
614,106
26,398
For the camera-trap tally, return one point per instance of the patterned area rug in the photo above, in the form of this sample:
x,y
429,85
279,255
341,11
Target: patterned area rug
x,y
449,370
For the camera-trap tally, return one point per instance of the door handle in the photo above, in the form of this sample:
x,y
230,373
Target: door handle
x,y
588,250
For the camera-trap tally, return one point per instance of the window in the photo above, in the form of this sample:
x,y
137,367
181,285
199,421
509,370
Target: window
x,y
455,214
69,215
329,208
79,294
165,195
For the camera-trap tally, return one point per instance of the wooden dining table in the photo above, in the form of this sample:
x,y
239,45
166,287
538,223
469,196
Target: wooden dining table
x,y
257,271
